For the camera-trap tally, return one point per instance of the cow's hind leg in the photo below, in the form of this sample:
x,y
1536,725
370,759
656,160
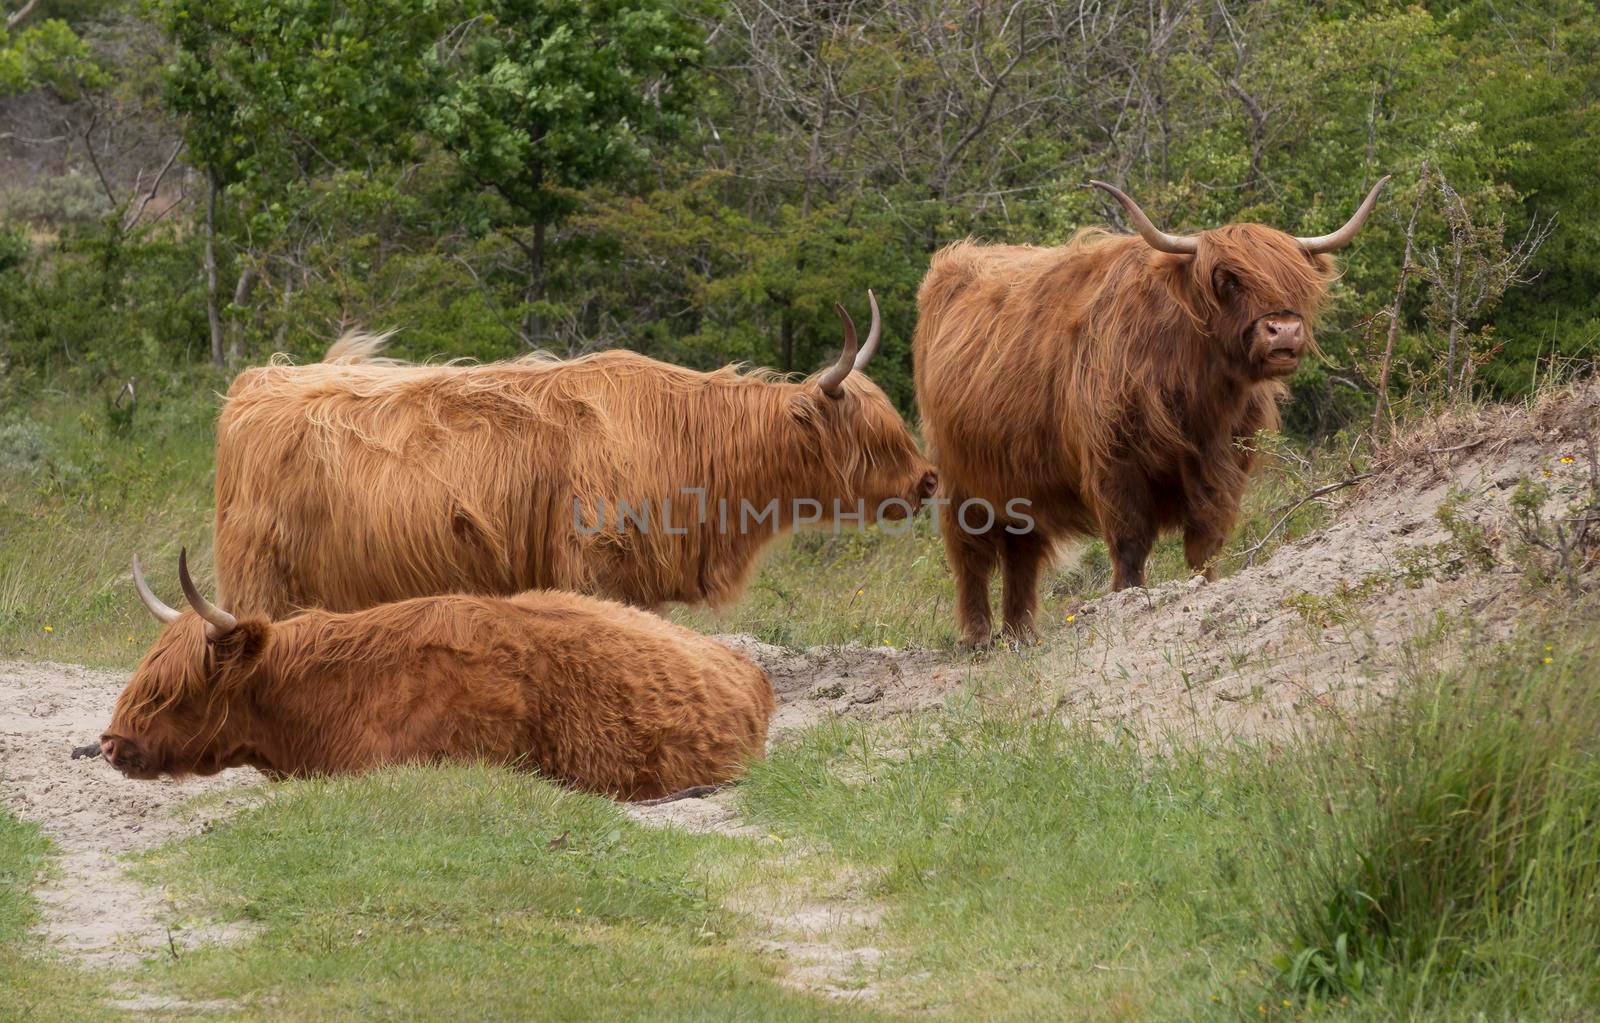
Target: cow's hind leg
x,y
972,560
1130,549
1024,555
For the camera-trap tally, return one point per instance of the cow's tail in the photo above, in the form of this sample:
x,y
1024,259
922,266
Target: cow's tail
x,y
362,346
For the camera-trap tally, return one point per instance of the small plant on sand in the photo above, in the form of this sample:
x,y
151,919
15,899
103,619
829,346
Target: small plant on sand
x,y
1468,547
1559,548
1344,604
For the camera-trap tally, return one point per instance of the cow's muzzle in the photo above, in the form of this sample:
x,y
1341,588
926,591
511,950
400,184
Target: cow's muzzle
x,y
1280,341
125,754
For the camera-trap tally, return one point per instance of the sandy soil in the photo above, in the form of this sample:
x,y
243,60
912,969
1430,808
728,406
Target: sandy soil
x,y
91,909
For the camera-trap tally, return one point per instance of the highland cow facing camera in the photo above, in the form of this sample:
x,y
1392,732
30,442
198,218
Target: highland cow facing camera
x,y
1114,383
590,693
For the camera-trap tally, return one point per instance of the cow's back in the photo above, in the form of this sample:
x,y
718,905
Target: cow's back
x,y
657,707
348,486
997,327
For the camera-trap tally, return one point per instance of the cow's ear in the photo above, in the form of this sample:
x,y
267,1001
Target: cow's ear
x,y
808,406
242,645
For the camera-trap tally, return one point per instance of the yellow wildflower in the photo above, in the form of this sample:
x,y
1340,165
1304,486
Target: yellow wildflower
x,y
49,628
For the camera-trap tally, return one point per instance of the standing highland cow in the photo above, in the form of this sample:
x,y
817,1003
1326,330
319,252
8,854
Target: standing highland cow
x,y
1114,382
594,694
354,482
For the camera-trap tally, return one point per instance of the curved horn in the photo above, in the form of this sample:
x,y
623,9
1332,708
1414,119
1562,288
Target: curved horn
x,y
218,622
832,382
1342,237
871,347
1179,244
164,614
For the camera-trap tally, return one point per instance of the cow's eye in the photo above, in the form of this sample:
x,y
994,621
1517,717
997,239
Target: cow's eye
x,y
1226,284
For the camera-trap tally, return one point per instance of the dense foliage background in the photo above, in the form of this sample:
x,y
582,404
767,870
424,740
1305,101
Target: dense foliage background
x,y
193,181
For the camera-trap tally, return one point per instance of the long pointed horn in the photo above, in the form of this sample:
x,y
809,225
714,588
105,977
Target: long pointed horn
x,y
164,614
870,349
832,382
218,622
1342,237
1179,244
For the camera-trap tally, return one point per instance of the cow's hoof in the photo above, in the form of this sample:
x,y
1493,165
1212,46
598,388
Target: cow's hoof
x,y
1020,636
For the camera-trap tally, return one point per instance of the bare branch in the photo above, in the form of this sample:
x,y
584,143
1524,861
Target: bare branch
x,y
15,17
138,211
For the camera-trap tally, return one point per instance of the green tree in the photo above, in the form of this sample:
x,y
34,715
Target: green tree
x,y
545,97
46,55
279,98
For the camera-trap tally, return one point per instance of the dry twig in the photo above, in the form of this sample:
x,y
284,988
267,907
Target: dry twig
x,y
1250,555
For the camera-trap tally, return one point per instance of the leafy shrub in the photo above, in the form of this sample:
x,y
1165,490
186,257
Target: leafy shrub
x,y
14,249
23,447
70,198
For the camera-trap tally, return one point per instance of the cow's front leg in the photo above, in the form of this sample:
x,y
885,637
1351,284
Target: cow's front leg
x,y
1200,547
1213,508
1127,520
972,561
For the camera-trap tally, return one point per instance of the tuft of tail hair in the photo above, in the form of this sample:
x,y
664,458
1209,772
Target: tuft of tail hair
x,y
360,346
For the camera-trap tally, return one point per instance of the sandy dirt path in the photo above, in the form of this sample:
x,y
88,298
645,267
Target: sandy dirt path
x,y
92,911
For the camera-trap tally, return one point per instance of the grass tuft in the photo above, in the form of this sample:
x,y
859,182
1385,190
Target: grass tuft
x,y
1459,846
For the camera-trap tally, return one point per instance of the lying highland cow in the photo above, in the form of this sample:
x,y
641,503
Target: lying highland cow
x,y
591,693
1114,383
354,482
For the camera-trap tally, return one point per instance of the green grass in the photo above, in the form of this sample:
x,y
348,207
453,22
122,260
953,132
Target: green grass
x,y
436,893
81,491
1438,859
33,985
1038,871
1458,858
